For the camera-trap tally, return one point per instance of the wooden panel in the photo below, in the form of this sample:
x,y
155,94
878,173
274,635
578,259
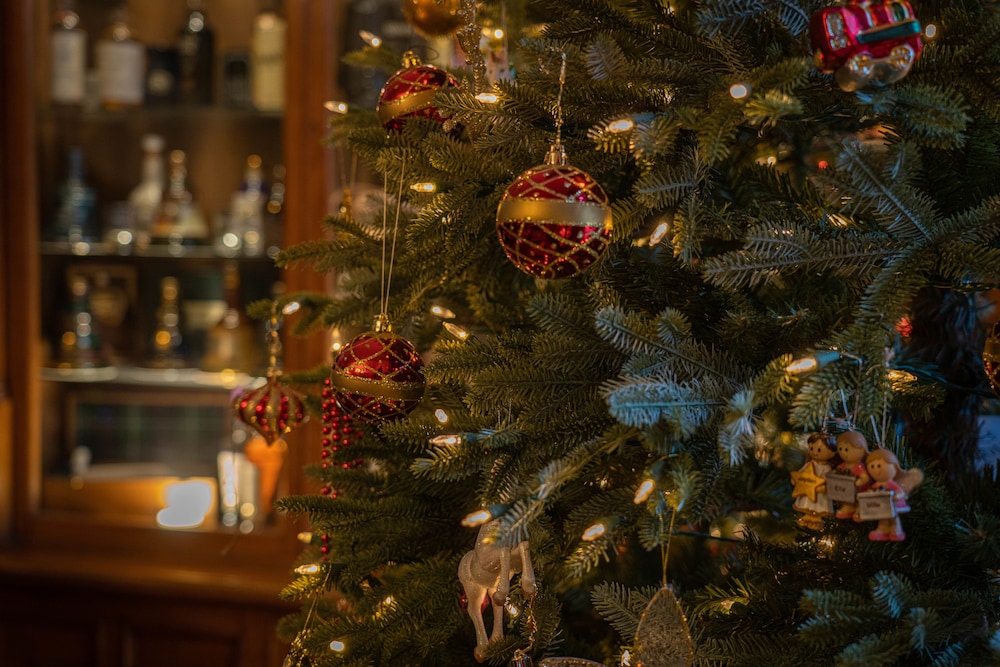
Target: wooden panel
x,y
43,644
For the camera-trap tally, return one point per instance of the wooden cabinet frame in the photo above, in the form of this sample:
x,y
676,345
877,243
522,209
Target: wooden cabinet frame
x,y
39,543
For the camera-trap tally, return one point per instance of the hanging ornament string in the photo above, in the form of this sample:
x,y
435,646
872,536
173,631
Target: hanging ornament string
x,y
559,106
468,39
387,267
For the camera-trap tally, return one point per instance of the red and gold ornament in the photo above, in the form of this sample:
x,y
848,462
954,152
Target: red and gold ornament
x,y
376,376
865,41
991,358
271,409
554,221
410,92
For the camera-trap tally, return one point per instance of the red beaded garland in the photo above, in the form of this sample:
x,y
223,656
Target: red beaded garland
x,y
410,92
554,221
377,377
272,409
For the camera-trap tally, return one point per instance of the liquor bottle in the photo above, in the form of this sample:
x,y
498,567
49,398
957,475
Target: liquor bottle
x,y
68,44
246,212
196,46
267,59
79,345
179,221
76,209
166,344
145,198
232,344
121,63
109,306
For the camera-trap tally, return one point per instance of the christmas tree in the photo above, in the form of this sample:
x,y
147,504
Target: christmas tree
x,y
630,282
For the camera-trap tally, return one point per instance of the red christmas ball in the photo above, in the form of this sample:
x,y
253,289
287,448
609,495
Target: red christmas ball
x,y
554,220
991,358
272,409
377,377
410,92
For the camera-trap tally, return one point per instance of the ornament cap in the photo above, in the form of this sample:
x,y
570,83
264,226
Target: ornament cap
x,y
556,154
411,59
382,323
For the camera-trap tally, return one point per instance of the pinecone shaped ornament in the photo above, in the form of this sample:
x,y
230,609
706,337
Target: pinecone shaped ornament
x,y
554,220
271,409
377,377
410,92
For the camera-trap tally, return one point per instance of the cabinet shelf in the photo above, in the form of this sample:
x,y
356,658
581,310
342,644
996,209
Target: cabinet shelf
x,y
157,251
181,114
180,378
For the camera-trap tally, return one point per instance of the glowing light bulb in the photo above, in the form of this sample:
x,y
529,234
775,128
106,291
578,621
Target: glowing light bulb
x,y
456,331
291,307
803,365
620,125
659,233
441,416
423,187
305,537
311,568
487,98
594,532
371,39
739,90
477,518
511,608
442,312
446,440
644,491
335,106
337,646
498,33
930,31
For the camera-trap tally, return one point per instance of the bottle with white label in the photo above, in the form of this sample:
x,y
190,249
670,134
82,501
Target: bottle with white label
x,y
121,64
68,43
267,59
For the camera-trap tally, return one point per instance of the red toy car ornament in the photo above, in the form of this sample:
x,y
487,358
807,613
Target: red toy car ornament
x,y
863,42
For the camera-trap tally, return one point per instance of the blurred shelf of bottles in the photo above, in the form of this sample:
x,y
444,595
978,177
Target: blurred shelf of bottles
x,y
161,186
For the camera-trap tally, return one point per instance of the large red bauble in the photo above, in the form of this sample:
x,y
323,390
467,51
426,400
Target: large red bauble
x,y
991,358
377,377
410,92
554,221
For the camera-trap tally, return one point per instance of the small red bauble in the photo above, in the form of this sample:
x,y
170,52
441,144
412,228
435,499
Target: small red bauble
x,y
410,92
865,41
991,358
554,220
377,376
272,409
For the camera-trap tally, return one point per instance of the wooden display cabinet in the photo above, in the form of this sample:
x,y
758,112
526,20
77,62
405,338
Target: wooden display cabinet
x,y
86,575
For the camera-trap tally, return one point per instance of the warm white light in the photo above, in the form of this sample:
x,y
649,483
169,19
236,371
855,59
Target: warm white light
x,y
456,331
594,532
477,518
337,646
930,31
371,39
620,125
124,237
659,233
511,608
305,537
626,658
446,440
838,220
644,491
771,160
897,376
290,308
487,98
335,106
739,90
423,187
442,312
803,365
498,33
441,416
311,568
187,504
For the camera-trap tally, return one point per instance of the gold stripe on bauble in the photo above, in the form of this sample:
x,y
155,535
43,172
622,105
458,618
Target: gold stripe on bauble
x,y
405,105
574,213
381,389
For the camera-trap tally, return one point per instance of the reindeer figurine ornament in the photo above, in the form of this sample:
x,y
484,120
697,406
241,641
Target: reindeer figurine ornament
x,y
487,570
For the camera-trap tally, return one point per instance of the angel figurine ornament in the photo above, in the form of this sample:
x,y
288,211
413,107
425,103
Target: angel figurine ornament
x,y
487,571
809,482
886,498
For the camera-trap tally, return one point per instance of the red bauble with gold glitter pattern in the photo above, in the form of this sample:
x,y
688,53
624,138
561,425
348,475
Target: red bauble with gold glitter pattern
x,y
377,377
410,92
272,409
991,358
554,220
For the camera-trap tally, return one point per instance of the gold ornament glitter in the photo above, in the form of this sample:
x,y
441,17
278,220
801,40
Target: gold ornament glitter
x,y
663,638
